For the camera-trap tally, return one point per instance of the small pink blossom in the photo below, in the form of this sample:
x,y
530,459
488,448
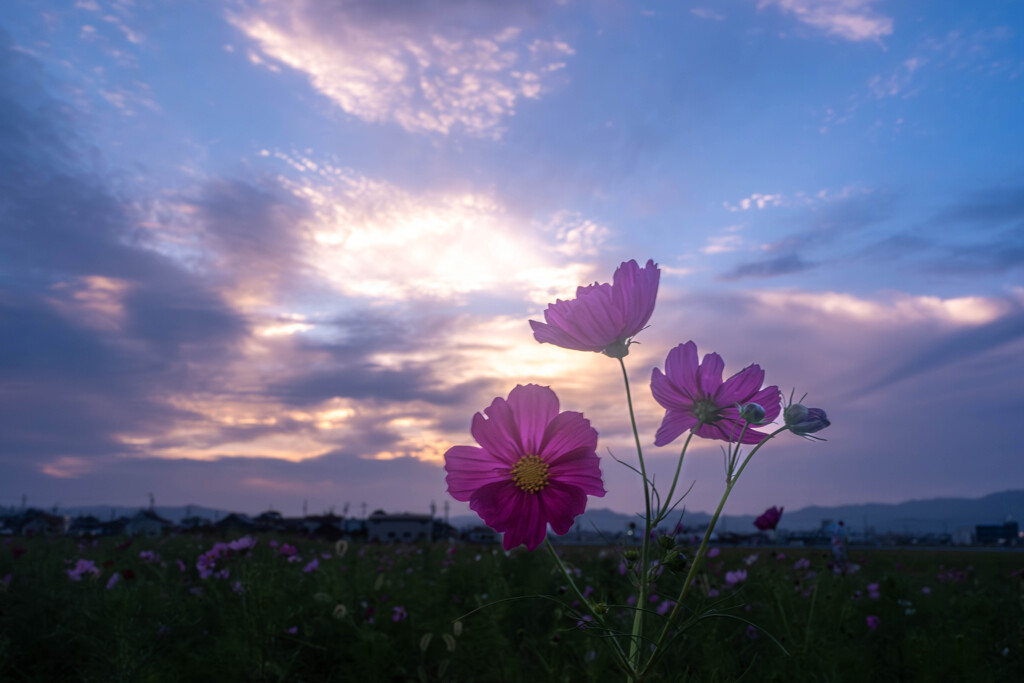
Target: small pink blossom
x,y
714,552
83,567
311,566
114,578
873,622
398,613
738,576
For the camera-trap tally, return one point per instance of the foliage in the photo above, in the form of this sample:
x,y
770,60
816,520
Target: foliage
x,y
410,613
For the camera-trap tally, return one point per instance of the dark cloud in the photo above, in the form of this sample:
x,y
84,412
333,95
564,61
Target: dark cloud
x,y
784,264
987,209
955,348
74,373
255,232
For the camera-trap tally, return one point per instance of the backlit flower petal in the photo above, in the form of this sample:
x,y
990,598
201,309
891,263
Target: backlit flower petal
x,y
666,392
602,317
741,387
674,424
469,468
497,432
681,368
568,432
533,407
709,378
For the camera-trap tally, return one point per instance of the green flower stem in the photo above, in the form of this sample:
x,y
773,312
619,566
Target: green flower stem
x,y
662,513
699,557
619,653
638,618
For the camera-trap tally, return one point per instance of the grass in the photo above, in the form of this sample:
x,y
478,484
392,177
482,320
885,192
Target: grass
x,y
410,613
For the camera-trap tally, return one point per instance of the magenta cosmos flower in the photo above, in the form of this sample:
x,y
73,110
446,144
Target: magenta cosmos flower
x,y
695,397
603,317
769,519
535,466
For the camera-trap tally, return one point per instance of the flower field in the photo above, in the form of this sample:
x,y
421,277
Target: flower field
x,y
280,609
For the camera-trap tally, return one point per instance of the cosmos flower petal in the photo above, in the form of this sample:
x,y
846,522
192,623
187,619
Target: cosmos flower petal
x,y
579,468
469,468
741,387
568,432
550,334
533,408
635,292
497,503
681,368
675,423
562,504
769,398
665,392
709,378
497,432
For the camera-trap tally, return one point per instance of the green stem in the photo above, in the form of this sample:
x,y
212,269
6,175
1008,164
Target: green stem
x,y
635,636
701,551
620,655
662,513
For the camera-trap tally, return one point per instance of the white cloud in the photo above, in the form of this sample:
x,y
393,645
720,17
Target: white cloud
x,y
704,13
897,308
422,72
853,20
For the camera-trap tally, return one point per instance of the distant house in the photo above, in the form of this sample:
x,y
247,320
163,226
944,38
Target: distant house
x,y
195,523
482,534
404,527
354,528
147,523
326,526
237,522
271,520
85,526
38,523
1001,533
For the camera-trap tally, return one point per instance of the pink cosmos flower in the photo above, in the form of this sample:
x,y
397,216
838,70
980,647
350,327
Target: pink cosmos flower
x,y
695,397
603,317
535,466
738,576
873,622
769,519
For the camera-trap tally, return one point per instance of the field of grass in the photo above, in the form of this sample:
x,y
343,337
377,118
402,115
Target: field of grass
x,y
304,610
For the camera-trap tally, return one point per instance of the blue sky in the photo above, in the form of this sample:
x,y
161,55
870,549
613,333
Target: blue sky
x,y
259,252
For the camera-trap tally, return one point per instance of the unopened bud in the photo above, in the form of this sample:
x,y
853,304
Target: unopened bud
x,y
803,421
752,413
631,555
600,608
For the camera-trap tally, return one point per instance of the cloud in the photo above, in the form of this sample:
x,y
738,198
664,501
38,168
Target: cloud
x,y
854,20
704,13
433,67
783,264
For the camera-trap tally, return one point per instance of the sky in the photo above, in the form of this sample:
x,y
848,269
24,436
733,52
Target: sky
x,y
265,253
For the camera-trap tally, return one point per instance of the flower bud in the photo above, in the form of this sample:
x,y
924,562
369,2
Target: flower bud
x,y
752,413
600,608
666,542
803,421
794,413
631,555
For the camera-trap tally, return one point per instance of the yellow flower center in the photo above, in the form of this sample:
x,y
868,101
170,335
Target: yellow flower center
x,y
530,474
